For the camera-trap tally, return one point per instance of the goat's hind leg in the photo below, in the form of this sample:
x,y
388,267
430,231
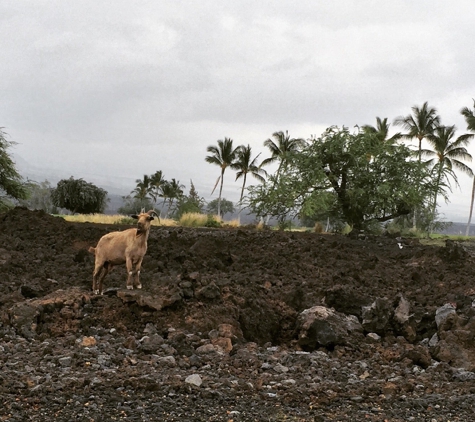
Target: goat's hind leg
x,y
95,276
98,277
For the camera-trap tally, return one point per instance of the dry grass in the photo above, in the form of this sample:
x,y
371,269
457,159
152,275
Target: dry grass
x,y
195,219
232,223
113,219
187,220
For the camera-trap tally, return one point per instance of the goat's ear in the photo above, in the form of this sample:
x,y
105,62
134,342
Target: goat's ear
x,y
135,216
151,218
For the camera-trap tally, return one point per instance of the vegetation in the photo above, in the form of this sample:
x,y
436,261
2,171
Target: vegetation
x,y
281,149
189,204
77,195
222,155
244,164
220,209
113,219
339,181
199,220
351,177
39,197
12,186
447,155
133,205
469,116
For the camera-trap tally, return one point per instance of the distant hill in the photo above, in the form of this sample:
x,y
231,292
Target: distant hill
x,y
458,229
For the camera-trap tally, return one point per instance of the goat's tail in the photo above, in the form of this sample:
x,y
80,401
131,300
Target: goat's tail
x,y
92,250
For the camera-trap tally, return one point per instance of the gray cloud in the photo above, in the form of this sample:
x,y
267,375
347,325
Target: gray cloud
x,y
126,88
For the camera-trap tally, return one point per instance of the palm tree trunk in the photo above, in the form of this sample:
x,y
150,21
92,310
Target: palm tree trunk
x,y
414,216
467,231
240,199
434,205
220,192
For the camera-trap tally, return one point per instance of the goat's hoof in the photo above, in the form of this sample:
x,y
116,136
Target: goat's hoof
x,y
130,287
96,292
138,286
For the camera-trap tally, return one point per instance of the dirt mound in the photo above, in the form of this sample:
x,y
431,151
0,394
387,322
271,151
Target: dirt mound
x,y
226,306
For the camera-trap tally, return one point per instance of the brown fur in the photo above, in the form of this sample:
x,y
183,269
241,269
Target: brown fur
x,y
124,247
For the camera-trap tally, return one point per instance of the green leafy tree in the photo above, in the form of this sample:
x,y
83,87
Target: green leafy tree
x,y
39,197
350,177
191,203
447,155
225,207
244,164
469,116
223,156
11,183
79,196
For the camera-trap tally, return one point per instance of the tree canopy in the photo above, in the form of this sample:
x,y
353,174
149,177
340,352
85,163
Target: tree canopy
x,y
226,207
11,183
79,196
222,155
351,177
191,203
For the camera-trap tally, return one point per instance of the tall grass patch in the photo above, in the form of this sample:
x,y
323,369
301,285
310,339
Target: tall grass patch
x,y
114,219
195,219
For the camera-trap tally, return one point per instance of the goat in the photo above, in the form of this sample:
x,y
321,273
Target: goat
x,y
116,248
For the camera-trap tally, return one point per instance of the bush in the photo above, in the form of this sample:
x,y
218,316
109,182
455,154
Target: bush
x,y
193,219
212,221
318,227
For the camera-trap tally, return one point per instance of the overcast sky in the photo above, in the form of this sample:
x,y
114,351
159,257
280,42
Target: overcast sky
x,y
113,90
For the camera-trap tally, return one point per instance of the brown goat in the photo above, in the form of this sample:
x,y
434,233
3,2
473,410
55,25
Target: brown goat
x,y
116,248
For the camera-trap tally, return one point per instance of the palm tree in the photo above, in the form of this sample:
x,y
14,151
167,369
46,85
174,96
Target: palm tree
x,y
281,148
244,166
420,124
381,131
170,190
470,119
157,180
143,188
446,156
222,155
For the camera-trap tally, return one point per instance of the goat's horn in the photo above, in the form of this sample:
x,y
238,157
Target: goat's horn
x,y
152,212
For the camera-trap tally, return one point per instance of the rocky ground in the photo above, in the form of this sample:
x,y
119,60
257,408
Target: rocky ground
x,y
234,325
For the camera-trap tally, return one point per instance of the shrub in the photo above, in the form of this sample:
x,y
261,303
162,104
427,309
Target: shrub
x,y
318,227
213,221
192,219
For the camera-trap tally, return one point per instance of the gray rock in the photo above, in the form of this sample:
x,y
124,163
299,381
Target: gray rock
x,y
444,314
322,326
376,317
194,379
65,361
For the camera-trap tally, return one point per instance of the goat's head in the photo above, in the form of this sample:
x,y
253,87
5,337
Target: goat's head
x,y
144,220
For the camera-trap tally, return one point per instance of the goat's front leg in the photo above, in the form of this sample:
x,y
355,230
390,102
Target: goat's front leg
x,y
130,273
137,283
